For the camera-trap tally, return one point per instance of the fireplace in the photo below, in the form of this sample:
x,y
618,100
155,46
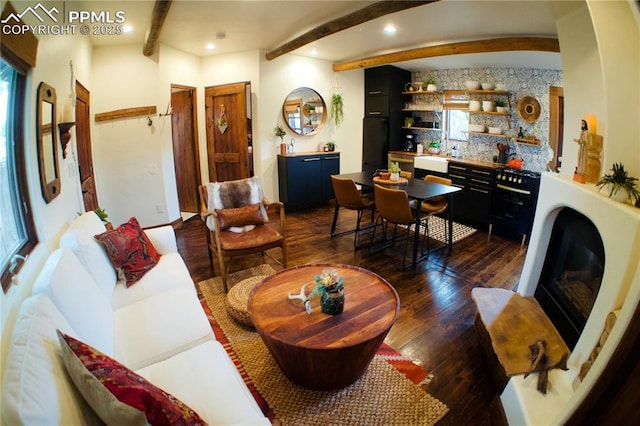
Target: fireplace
x,y
560,253
571,274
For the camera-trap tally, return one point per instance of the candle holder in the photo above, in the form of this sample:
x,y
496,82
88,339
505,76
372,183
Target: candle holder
x,y
65,135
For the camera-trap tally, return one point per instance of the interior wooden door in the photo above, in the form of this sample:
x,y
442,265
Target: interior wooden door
x,y
83,142
556,125
228,152
185,147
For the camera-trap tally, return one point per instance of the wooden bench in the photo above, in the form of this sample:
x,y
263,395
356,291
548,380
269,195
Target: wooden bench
x,y
508,324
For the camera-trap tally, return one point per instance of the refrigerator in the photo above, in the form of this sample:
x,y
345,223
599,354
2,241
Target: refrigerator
x,y
375,143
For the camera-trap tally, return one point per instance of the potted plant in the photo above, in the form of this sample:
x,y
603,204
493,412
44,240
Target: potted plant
x,y
330,288
619,184
331,146
337,113
222,124
434,147
408,121
501,106
394,168
431,83
280,132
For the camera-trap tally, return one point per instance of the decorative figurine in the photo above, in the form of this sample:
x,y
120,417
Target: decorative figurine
x,y
579,175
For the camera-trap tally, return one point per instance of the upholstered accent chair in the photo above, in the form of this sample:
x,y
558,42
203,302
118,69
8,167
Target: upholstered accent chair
x,y
349,197
393,208
236,214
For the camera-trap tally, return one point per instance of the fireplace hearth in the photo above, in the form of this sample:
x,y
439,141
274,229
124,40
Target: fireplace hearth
x,y
572,274
563,230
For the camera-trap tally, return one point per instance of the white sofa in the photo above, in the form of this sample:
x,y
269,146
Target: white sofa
x,y
156,327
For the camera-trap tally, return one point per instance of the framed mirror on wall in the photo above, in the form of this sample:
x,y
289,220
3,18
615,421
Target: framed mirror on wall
x,y
304,111
47,140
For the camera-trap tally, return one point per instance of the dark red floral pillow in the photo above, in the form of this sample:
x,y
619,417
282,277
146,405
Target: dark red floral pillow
x,y
117,394
130,250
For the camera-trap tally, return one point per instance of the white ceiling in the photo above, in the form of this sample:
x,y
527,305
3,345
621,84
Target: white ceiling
x,y
265,25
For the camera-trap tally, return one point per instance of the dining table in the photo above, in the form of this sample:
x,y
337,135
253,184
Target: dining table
x,y
419,190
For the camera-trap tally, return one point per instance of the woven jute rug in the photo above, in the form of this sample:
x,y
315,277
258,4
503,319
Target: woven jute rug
x,y
389,393
437,230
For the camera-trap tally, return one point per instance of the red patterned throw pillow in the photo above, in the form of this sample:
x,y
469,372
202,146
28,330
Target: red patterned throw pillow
x,y
117,394
130,250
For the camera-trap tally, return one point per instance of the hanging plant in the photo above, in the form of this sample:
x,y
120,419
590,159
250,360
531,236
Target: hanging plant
x,y
221,122
337,113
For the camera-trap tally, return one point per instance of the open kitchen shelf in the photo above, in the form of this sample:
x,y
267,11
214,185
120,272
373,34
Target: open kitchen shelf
x,y
488,92
495,135
421,128
490,113
422,92
528,141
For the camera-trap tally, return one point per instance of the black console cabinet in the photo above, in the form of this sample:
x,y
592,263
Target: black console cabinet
x,y
305,180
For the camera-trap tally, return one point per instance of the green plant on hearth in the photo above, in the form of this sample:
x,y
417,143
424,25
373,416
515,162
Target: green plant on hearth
x,y
337,112
619,180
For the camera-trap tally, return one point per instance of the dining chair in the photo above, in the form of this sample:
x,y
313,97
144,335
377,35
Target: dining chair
x,y
393,208
235,213
434,206
349,197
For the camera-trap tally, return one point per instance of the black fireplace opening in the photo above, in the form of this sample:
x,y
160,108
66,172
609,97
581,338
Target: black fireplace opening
x,y
571,274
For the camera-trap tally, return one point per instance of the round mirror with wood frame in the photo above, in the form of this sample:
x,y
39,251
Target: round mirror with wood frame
x,y
304,111
47,139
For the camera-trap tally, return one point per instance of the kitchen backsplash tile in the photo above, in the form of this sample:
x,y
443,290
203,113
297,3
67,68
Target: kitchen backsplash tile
x,y
520,82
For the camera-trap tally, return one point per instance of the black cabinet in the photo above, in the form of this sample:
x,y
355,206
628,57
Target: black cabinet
x,y
473,204
305,180
383,104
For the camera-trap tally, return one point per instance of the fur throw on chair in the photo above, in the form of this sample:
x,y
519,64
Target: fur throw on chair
x,y
234,194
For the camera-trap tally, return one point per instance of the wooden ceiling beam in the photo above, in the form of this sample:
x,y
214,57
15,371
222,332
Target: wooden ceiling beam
x,y
358,17
159,14
509,44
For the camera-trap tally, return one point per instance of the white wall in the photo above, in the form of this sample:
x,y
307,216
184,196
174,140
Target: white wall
x,y
52,67
600,49
583,84
281,76
133,161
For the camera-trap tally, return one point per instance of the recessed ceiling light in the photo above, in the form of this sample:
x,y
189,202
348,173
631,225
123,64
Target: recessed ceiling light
x,y
314,52
390,29
127,29
210,46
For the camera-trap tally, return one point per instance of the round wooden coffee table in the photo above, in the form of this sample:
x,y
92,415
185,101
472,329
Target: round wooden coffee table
x,y
321,351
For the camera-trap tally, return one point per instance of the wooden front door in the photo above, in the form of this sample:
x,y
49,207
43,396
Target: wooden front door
x,y
83,140
228,149
185,147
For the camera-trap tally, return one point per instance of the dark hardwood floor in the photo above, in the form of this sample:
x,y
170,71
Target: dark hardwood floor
x,y
435,326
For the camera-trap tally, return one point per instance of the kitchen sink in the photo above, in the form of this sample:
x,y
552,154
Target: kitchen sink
x,y
431,162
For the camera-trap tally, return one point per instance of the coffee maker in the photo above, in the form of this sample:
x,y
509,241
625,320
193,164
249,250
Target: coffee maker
x,y
409,144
